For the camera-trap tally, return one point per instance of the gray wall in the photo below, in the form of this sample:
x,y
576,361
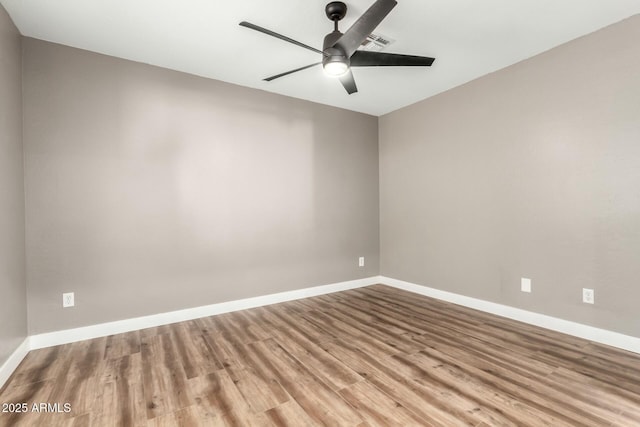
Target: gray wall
x,y
150,190
13,304
533,171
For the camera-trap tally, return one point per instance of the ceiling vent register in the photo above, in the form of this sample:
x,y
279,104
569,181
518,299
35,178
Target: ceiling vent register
x,y
376,42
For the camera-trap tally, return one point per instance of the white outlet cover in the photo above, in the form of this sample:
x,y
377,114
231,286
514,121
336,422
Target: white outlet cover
x,y
68,300
525,284
361,261
588,296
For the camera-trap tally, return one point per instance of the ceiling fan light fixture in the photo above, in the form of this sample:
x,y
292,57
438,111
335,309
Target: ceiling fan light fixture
x,y
335,68
335,63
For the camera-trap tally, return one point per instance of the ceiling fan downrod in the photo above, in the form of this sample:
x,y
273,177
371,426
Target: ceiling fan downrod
x,y
335,61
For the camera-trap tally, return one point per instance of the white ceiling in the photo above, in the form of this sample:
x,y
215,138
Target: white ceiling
x,y
468,38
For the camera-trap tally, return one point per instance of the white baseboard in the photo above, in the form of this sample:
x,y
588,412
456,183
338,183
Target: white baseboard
x,y
104,329
13,361
34,342
50,339
590,333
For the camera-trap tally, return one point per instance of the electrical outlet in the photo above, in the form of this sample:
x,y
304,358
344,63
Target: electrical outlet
x,y
525,284
588,296
68,300
361,261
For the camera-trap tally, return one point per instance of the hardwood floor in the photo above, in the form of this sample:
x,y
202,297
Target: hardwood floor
x,y
366,357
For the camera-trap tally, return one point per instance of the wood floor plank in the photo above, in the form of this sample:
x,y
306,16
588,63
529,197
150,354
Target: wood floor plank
x,y
364,314
185,417
164,379
117,346
602,397
355,325
186,351
82,381
39,366
318,400
83,420
221,403
204,357
429,404
378,408
487,403
533,392
256,383
373,356
505,356
256,391
367,342
290,414
311,331
333,372
124,401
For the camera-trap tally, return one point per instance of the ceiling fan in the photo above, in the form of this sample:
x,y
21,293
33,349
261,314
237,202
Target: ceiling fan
x,y
339,51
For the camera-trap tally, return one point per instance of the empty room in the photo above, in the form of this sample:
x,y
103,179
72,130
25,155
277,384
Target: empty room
x,y
359,213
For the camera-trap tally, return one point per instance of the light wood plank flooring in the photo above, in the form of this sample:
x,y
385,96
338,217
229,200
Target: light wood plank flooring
x,y
374,356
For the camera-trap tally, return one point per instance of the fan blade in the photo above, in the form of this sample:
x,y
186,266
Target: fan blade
x,y
278,36
364,26
363,58
349,82
286,73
